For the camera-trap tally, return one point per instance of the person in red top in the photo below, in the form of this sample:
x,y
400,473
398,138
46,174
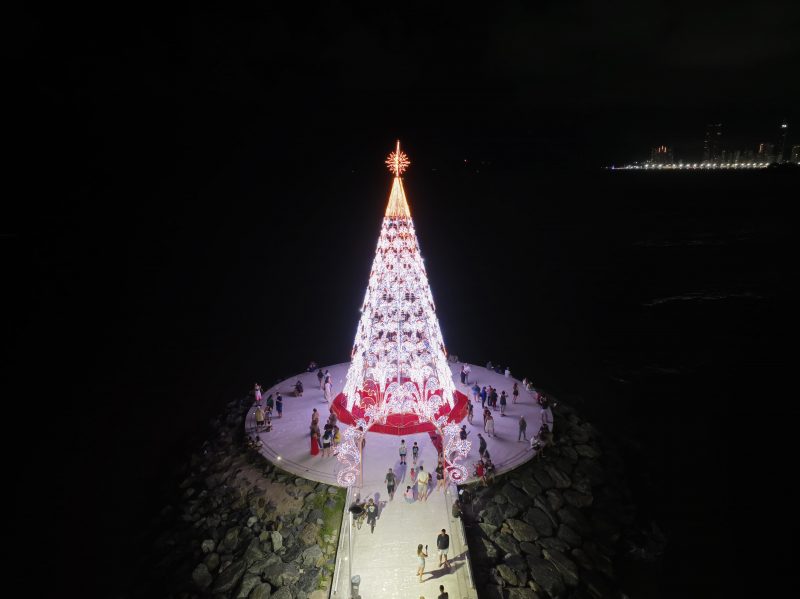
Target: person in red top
x,y
480,472
314,441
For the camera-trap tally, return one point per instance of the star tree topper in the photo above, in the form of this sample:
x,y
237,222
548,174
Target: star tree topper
x,y
398,161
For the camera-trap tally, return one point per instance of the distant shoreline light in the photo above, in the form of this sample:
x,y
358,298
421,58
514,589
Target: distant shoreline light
x,y
691,166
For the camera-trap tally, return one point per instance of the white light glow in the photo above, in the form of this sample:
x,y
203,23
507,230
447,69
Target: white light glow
x,y
399,361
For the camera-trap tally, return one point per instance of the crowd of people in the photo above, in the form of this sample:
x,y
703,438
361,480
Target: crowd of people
x,y
325,441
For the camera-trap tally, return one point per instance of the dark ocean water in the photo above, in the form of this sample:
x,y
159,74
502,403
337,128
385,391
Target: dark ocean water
x,y
655,303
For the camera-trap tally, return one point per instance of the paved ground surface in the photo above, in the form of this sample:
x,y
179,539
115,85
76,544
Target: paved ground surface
x,y
386,558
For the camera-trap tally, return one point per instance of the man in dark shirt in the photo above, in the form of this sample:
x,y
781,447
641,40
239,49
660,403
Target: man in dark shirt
x,y
443,544
442,594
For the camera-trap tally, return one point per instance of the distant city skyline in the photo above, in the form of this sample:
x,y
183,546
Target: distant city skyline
x,y
714,148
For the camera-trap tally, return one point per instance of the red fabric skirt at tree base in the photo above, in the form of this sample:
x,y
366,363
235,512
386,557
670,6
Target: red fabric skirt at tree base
x,y
401,424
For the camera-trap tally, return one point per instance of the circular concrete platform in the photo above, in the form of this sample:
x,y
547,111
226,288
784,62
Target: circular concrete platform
x,y
288,444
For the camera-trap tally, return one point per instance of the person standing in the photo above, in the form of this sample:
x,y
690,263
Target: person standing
x,y
415,453
523,425
390,483
440,475
467,370
328,392
442,593
314,441
490,424
270,402
327,377
503,401
480,472
337,438
409,495
483,397
481,445
372,514
476,391
403,451
421,555
443,544
257,390
515,392
463,375
493,396
279,405
327,440
486,413
320,376
508,372
422,484
314,417
259,418
547,419
469,412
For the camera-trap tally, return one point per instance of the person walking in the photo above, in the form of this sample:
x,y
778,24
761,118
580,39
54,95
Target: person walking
x,y
328,392
463,375
409,495
320,376
390,481
515,392
462,434
270,402
327,377
490,424
442,593
279,405
467,371
503,401
486,413
469,412
443,544
421,555
413,475
422,484
476,391
314,417
440,475
493,395
483,397
259,418
415,453
403,451
523,425
257,391
481,445
372,514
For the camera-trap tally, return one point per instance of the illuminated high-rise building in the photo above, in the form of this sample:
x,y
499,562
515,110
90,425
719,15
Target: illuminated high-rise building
x,y
795,154
766,153
661,155
712,145
783,134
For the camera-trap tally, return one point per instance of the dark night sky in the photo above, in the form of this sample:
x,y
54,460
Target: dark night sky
x,y
162,147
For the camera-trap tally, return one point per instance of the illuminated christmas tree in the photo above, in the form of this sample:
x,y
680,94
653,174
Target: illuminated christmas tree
x,y
399,380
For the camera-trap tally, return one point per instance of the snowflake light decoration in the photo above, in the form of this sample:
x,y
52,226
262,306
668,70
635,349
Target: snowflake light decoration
x,y
398,161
